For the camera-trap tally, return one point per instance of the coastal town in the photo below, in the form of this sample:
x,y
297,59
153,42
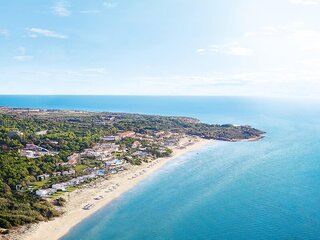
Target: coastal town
x,y
113,154
63,165
109,157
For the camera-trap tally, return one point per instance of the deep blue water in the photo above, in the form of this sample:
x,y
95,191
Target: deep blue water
x,y
250,190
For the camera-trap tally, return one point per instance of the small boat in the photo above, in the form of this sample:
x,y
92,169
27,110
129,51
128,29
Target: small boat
x,y
98,198
88,206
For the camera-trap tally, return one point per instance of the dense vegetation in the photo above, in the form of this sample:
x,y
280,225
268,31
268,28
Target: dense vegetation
x,y
21,208
68,132
191,126
18,208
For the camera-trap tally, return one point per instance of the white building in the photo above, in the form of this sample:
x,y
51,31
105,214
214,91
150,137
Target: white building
x,y
45,192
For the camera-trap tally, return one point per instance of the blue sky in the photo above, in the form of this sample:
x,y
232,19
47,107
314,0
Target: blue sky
x,y
167,47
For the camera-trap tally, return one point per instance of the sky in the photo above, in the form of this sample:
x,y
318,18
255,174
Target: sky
x,y
167,47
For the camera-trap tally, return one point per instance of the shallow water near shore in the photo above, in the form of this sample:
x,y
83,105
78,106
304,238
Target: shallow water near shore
x,y
267,189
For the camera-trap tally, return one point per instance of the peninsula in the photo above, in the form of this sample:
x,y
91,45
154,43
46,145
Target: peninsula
x,y
62,165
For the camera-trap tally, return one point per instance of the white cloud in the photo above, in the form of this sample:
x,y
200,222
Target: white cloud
x,y
296,36
231,49
60,81
4,33
72,75
211,84
176,81
89,11
40,32
95,70
109,4
239,51
61,9
214,48
22,57
305,2
201,50
269,82
284,61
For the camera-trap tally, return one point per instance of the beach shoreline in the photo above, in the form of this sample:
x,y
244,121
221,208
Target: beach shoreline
x,y
100,193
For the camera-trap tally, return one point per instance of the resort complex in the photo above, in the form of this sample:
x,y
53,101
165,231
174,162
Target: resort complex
x,y
46,155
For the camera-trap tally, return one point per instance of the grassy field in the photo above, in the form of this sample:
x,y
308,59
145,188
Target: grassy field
x,y
39,184
59,193
79,168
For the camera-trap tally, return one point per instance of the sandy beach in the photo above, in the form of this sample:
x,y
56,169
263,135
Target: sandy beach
x,y
99,193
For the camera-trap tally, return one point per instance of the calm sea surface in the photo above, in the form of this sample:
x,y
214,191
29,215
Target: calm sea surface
x,y
251,190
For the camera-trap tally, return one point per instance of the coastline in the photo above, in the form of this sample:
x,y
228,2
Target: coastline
x,y
253,139
115,186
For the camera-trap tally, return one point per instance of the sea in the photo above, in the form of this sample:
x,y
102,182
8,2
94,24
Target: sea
x,y
269,189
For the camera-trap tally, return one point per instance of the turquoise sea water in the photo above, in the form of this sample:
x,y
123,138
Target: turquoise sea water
x,y
250,190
